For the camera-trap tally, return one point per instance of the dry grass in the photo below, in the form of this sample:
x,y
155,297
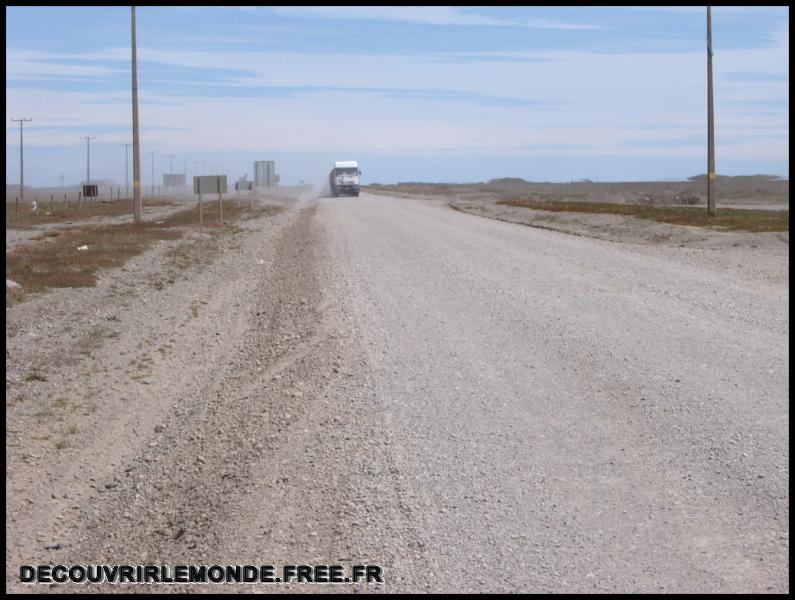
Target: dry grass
x,y
35,375
194,251
726,218
90,341
56,261
210,213
741,189
60,213
13,296
191,252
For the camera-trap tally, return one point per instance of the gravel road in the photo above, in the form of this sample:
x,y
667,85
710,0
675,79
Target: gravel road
x,y
568,414
472,404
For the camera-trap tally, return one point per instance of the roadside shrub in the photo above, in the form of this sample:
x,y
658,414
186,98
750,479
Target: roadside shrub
x,y
687,198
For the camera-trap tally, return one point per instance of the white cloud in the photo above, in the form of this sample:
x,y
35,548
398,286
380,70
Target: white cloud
x,y
30,65
428,15
609,104
754,10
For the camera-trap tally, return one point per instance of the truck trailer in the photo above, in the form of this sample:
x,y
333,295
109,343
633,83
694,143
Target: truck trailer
x,y
343,179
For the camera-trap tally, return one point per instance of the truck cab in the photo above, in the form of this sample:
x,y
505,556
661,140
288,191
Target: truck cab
x,y
344,178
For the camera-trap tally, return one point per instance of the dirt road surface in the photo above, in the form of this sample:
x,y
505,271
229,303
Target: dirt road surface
x,y
473,405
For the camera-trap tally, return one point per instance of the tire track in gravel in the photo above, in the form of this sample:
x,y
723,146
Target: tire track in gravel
x,y
296,467
187,486
98,403
269,447
330,491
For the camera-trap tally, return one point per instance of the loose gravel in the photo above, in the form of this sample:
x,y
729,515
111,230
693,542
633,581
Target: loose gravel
x,y
472,404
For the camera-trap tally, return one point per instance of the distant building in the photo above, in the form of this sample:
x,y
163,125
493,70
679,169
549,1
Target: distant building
x,y
265,173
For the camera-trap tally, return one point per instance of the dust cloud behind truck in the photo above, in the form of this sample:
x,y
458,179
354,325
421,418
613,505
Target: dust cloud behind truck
x,y
343,179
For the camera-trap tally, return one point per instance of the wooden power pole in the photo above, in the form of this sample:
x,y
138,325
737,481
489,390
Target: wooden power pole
x,y
21,158
136,142
711,177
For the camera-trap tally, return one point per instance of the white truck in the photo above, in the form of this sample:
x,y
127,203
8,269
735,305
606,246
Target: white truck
x,y
343,179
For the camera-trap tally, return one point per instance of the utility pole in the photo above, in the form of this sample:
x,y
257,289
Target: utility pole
x,y
126,167
711,177
21,159
171,172
88,139
137,205
153,173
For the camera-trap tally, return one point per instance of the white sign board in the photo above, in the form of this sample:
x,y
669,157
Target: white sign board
x,y
173,180
209,184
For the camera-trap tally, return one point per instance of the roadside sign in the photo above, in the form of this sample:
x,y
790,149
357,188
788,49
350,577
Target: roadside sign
x,y
173,180
209,184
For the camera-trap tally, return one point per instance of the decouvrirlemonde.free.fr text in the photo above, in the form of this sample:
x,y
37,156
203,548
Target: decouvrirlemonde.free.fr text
x,y
147,574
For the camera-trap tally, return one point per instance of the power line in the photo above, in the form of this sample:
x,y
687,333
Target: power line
x,y
21,159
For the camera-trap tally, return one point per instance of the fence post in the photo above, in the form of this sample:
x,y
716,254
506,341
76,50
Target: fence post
x,y
79,199
220,203
16,208
65,201
52,201
201,212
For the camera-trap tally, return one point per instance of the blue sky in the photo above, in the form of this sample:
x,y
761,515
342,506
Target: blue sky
x,y
414,93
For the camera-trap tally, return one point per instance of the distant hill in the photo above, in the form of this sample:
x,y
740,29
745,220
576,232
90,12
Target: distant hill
x,y
748,178
102,183
507,181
